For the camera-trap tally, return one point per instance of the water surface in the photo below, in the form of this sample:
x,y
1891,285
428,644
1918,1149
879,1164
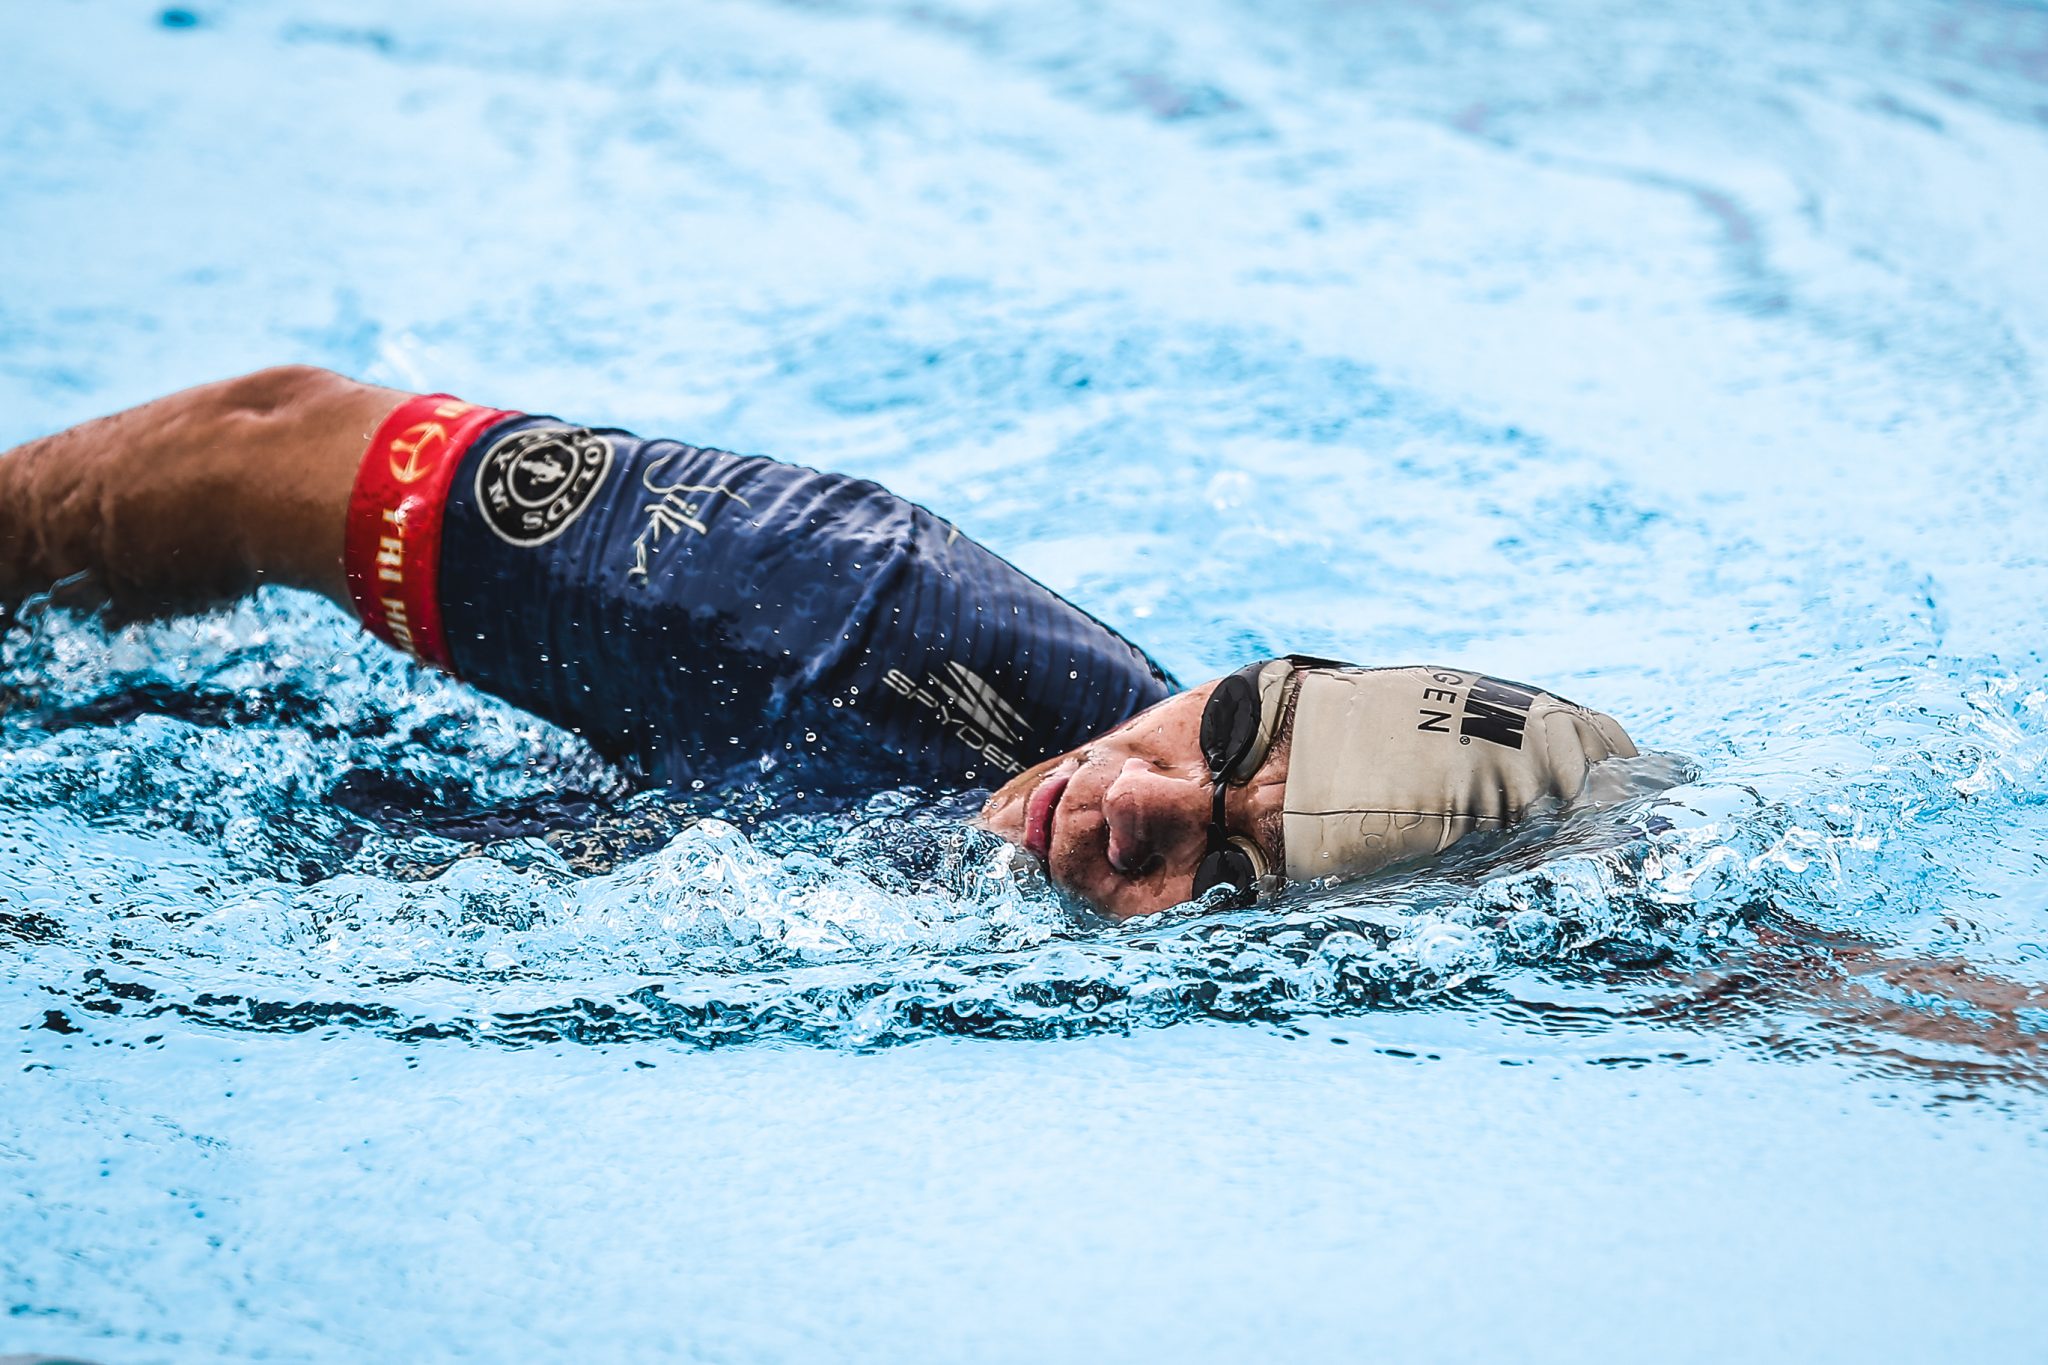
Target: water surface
x,y
1688,362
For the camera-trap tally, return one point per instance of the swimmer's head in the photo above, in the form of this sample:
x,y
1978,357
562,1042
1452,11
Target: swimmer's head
x,y
1295,769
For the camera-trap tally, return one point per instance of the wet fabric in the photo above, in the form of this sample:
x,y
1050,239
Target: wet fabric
x,y
705,615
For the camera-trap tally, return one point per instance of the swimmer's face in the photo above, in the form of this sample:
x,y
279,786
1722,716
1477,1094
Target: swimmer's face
x,y
1123,820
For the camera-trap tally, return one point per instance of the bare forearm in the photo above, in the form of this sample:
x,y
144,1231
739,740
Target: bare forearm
x,y
195,498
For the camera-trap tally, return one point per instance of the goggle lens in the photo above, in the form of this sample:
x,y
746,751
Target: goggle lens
x,y
1230,736
1228,866
1230,723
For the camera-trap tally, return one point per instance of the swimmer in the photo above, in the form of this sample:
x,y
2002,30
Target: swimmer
x,y
706,617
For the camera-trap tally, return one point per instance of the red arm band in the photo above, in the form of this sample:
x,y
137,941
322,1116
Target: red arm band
x,y
392,550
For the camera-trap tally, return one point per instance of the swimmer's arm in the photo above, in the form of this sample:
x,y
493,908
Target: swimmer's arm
x,y
1933,1000
1842,980
193,499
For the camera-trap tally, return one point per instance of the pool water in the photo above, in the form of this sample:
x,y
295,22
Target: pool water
x,y
1687,359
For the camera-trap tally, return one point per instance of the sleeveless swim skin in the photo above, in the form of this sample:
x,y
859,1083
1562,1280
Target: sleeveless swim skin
x,y
709,616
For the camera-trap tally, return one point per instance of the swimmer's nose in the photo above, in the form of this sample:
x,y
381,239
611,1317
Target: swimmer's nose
x,y
1153,817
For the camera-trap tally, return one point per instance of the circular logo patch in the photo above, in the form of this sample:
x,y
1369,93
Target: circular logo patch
x,y
533,483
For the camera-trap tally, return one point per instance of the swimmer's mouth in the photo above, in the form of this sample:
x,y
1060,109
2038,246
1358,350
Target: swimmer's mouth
x,y
1039,810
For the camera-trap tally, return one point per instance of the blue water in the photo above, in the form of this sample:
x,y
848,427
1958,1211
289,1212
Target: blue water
x,y
1687,359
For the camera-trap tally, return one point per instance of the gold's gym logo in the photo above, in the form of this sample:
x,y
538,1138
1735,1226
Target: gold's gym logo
x,y
532,484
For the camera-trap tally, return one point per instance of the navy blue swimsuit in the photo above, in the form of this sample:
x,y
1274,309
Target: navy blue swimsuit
x,y
711,616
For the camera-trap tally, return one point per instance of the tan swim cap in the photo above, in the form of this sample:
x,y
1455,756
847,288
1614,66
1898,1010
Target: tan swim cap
x,y
1389,764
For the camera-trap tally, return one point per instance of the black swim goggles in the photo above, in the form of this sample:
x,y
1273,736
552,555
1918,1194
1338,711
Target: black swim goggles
x,y
1239,724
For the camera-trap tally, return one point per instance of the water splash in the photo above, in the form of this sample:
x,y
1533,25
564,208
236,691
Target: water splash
x,y
175,850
